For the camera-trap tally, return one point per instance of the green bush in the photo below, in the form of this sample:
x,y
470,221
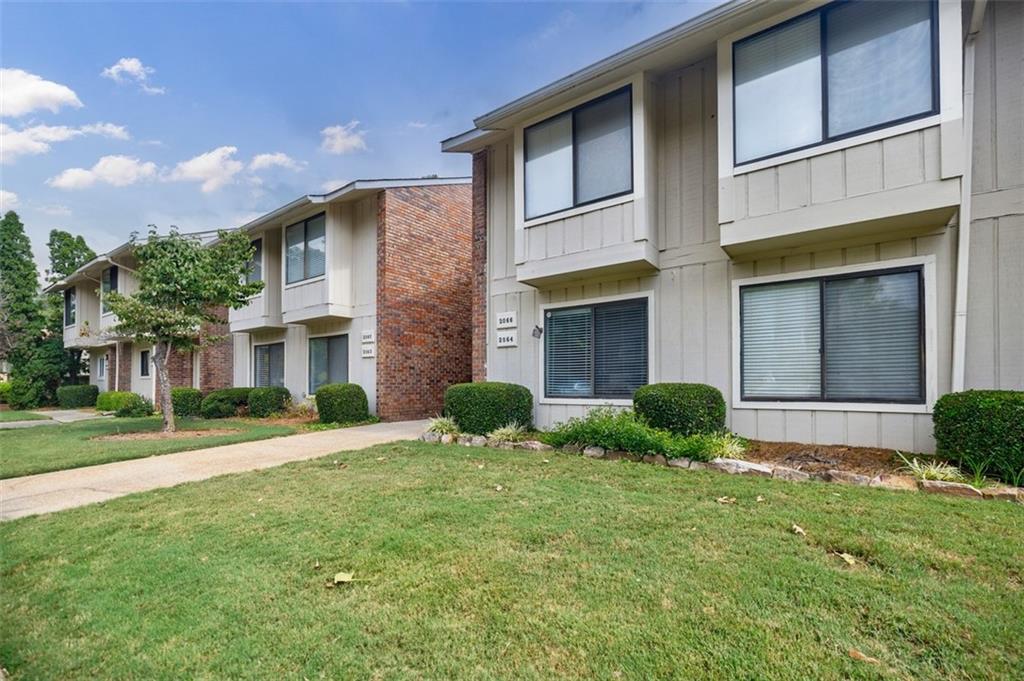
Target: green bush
x,y
25,394
133,406
264,402
983,432
75,396
5,391
479,408
342,403
224,403
681,408
186,401
112,400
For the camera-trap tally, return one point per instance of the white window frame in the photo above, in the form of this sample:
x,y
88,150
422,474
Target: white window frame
x,y
651,347
950,97
931,365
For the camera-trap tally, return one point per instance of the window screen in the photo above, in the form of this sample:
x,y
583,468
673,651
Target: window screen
x,y
549,166
781,340
268,369
328,361
596,350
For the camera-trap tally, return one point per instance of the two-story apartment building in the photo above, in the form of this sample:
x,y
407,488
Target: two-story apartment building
x,y
115,362
368,284
816,207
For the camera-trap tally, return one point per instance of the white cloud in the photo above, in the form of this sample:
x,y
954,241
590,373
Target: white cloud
x,y
342,139
37,139
331,185
418,125
119,171
214,169
132,70
55,209
8,200
22,92
279,159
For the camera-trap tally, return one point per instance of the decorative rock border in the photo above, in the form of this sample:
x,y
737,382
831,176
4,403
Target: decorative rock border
x,y
740,467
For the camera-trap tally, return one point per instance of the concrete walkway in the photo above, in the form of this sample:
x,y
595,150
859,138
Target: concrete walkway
x,y
56,417
56,491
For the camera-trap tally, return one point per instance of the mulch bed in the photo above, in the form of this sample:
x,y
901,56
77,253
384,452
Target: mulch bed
x,y
159,435
820,458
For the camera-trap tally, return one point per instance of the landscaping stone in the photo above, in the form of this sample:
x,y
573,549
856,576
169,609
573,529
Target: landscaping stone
x,y
478,441
956,489
1002,494
594,452
465,440
572,449
888,481
792,474
847,478
738,467
447,439
501,444
619,455
535,446
681,462
656,459
432,438
700,466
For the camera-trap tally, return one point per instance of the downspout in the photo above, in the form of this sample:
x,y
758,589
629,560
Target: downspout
x,y
963,249
117,367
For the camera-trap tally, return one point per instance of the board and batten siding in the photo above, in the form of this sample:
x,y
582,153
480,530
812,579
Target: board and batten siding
x,y
691,295
995,319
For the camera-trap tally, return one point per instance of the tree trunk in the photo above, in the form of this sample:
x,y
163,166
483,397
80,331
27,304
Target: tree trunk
x,y
161,352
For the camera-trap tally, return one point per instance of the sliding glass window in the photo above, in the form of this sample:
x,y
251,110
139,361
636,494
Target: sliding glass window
x,y
305,249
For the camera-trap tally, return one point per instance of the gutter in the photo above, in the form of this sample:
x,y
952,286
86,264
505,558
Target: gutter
x,y
963,245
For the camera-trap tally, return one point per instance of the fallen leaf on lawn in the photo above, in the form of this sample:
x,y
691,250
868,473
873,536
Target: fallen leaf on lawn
x,y
760,498
708,610
480,466
498,488
316,566
546,461
343,578
726,500
850,560
857,655
381,458
799,530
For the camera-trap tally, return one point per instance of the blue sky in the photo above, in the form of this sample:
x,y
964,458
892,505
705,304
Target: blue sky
x,y
205,115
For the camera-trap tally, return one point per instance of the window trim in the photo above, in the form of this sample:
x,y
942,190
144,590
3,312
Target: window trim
x,y
144,363
571,112
822,11
284,362
348,358
926,264
306,279
73,290
586,302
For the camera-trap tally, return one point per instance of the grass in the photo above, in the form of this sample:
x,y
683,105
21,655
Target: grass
x,y
38,450
11,415
572,568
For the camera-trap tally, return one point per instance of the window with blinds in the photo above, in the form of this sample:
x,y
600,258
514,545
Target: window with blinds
x,y
328,361
597,351
842,69
268,365
848,338
305,249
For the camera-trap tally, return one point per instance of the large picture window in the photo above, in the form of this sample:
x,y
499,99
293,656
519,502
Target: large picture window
x,y
305,249
70,305
580,156
596,351
108,283
843,69
328,361
846,338
268,365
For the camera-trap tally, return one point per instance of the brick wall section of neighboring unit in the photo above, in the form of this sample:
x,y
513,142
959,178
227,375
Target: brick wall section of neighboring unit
x,y
480,266
179,371
123,356
424,297
215,361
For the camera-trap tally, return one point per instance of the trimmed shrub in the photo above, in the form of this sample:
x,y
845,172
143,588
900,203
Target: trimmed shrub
x,y
75,396
112,400
264,402
342,403
5,391
186,401
681,408
133,406
224,403
479,408
983,432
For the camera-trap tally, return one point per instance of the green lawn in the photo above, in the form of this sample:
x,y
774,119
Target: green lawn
x,y
573,568
6,416
37,450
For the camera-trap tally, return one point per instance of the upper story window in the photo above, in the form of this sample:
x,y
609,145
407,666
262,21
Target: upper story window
x,y
580,156
255,272
846,68
69,306
305,249
108,283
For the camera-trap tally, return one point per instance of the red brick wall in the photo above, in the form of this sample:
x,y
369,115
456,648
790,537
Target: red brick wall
x,y
179,371
424,298
215,361
480,266
123,374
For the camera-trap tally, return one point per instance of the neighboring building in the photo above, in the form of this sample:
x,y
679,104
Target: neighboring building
x,y
115,362
368,284
818,208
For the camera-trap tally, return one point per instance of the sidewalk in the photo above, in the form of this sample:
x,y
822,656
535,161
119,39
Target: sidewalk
x,y
59,490
56,416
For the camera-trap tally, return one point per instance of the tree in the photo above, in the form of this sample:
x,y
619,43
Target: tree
x,y
67,254
181,283
20,314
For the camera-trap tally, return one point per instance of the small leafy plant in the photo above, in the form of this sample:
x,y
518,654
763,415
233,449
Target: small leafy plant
x,y
931,470
510,432
443,425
